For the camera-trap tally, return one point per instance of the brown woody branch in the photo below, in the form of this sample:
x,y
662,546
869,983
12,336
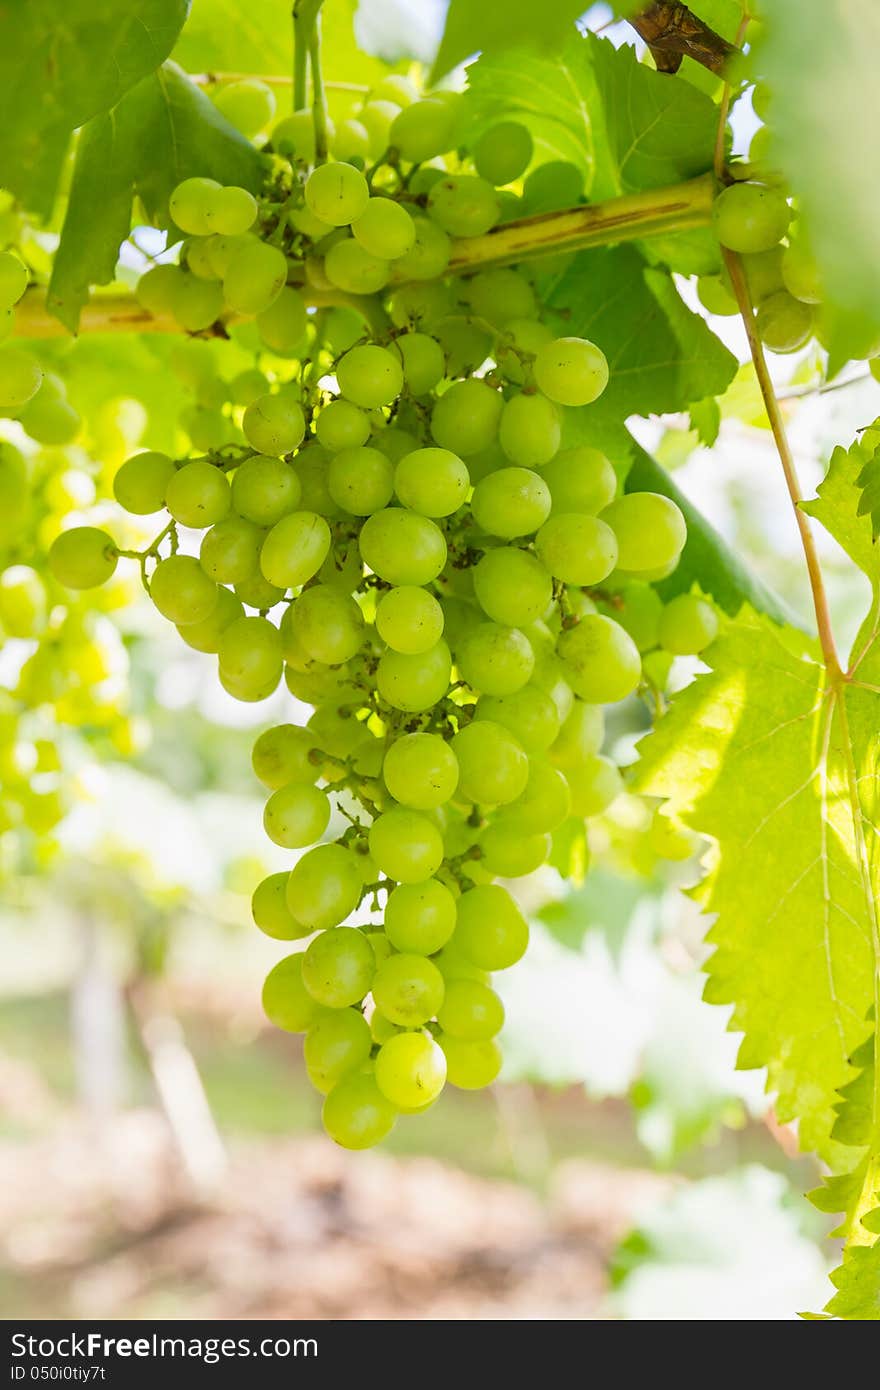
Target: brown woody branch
x,y
673,32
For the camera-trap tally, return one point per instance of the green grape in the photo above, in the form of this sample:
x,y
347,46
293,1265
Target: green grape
x,y
420,917
800,273
580,479
49,418
324,887
414,682
494,659
22,601
156,288
283,324
600,660
552,186
420,771
182,591
493,769
490,931
543,804
264,490
343,569
530,430
295,549
571,371
429,254
257,592
337,1044
423,130
337,193
274,424
192,205
195,303
20,378
230,551
465,344
408,989
511,502
402,547
687,625
750,217
471,1011
353,269
510,854
423,362
406,846
219,251
249,654
356,1115
409,619
342,425
518,342
512,586
463,205
715,295
295,136
204,636
384,229
433,482
529,714
471,1065
650,530
395,443
763,271
576,548
82,558
351,142
311,465
503,152
670,839
13,280
140,484
248,104
254,278
370,376
501,296
234,212
271,913
465,419
395,88
422,304
284,754
247,689
595,783
382,949
296,816
319,686
328,624
411,1070
360,480
637,607
339,965
784,323
286,1001
198,495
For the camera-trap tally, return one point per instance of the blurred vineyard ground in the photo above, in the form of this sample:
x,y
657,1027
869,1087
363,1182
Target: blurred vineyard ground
x,y
518,1213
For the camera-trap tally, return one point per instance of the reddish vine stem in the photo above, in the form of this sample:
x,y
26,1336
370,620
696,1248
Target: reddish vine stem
x,y
786,458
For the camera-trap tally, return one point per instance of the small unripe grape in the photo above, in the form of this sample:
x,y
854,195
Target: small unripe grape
x,y
341,425
650,530
406,846
429,254
408,989
356,1114
800,271
750,216
529,714
601,661
198,495
182,591
248,104
530,430
571,371
294,136
20,378
553,186
140,484
295,549
402,547
501,296
576,548
328,624
249,653
409,619
414,682
348,266
270,911
463,205
423,362
580,479
411,1070
491,931
230,551
511,502
420,771
595,783
337,193
235,211
493,769
192,205
508,853
784,323
255,277
423,130
205,636
83,557
286,1001
339,965
420,917
284,754
496,660
466,417
360,480
544,803
13,280
296,816
377,117
337,1044
687,625
284,323
274,424
370,376
503,152
264,490
512,586
433,482
385,229
716,295
351,142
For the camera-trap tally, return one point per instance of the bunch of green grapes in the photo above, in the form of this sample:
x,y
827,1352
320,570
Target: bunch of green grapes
x,y
397,522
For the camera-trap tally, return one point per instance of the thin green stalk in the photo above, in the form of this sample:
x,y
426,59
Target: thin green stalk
x,y
319,100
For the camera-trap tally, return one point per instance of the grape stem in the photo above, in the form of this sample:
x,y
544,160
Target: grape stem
x,y
319,100
786,458
657,212
724,106
305,17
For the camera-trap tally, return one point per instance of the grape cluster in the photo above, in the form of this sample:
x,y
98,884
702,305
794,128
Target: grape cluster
x,y
396,526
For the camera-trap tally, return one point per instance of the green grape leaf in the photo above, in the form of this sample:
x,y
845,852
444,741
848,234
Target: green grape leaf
x,y
63,62
869,502
661,356
659,128
502,24
778,764
858,1285
162,131
706,420
707,559
820,66
555,96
